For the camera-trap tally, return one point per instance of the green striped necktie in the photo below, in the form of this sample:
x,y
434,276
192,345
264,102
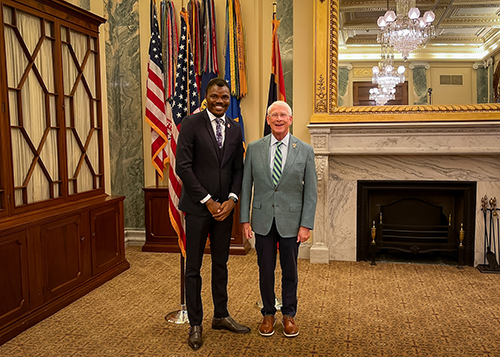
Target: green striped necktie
x,y
277,165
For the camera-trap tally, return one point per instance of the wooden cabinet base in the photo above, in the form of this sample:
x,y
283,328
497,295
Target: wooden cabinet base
x,y
161,236
53,257
33,317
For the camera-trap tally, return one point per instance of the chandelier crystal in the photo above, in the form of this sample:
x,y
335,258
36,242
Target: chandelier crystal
x,y
405,29
385,75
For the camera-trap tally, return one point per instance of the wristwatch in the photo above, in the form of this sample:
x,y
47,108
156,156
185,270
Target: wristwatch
x,y
234,199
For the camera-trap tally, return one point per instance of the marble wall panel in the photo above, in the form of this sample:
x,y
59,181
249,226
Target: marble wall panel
x,y
347,169
343,84
420,85
84,4
123,72
483,83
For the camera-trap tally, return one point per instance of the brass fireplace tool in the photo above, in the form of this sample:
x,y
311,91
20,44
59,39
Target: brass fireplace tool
x,y
491,236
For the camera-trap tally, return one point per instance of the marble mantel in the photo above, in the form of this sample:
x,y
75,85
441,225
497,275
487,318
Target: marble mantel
x,y
348,152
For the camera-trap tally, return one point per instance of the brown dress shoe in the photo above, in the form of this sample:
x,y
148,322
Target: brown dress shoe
x,y
290,329
267,326
195,339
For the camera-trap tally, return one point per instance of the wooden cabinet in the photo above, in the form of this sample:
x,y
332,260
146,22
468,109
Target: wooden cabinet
x,y
161,237
61,235
72,250
62,256
106,231
14,288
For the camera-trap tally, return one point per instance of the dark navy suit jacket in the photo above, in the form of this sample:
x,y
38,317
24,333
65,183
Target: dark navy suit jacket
x,y
203,167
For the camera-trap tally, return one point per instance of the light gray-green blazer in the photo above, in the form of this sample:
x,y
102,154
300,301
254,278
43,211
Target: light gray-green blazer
x,y
292,203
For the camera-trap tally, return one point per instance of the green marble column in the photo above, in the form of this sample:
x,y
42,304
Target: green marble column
x,y
342,85
123,72
420,85
482,81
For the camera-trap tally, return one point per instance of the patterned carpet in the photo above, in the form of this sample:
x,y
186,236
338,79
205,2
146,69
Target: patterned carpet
x,y
345,309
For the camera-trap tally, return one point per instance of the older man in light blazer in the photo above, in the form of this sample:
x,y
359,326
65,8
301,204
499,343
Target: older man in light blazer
x,y
280,168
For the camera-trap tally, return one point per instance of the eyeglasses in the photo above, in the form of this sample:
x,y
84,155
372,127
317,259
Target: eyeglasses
x,y
280,115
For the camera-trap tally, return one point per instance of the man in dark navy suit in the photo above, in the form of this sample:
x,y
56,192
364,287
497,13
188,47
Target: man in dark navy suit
x,y
210,164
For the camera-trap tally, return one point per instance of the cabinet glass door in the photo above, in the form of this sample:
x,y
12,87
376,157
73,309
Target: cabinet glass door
x,y
82,111
32,96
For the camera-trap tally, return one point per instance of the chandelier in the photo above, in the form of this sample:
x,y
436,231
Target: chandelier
x,y
405,29
386,76
382,95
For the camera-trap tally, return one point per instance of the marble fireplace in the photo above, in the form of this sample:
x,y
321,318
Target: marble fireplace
x,y
433,151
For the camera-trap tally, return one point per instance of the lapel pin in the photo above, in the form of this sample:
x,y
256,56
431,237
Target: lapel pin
x,y
294,145
228,125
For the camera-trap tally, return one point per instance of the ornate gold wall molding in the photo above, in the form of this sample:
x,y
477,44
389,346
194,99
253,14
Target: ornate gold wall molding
x,y
362,72
326,70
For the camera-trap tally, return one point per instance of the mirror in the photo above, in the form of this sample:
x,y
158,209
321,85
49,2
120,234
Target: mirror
x,y
326,73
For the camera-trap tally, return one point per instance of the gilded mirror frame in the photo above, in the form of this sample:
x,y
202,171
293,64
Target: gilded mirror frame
x,y
326,19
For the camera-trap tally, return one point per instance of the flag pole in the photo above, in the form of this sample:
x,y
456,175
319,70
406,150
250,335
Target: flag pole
x,y
179,316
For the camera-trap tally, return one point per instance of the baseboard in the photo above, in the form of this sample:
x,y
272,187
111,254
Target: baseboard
x,y
134,238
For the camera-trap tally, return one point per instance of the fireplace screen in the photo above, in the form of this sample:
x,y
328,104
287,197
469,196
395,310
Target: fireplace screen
x,y
417,217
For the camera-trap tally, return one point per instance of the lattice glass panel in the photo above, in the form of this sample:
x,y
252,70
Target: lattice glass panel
x,y
13,108
45,65
32,103
79,43
85,179
69,69
30,29
22,157
53,110
48,149
80,89
49,29
74,154
33,107
16,58
38,188
82,105
93,150
89,73
7,15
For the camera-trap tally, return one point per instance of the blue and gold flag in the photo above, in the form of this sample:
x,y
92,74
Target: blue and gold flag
x,y
235,68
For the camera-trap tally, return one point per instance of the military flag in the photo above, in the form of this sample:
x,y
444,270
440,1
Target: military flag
x,y
277,81
235,68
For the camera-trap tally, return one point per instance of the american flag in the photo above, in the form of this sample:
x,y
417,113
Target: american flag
x,y
155,97
185,102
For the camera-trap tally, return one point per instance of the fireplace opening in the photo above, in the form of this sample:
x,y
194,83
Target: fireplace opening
x,y
420,219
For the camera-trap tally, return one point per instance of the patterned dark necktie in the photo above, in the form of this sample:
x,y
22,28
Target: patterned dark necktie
x,y
218,131
278,160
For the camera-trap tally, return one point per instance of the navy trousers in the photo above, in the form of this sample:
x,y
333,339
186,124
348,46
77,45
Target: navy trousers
x,y
266,247
197,230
